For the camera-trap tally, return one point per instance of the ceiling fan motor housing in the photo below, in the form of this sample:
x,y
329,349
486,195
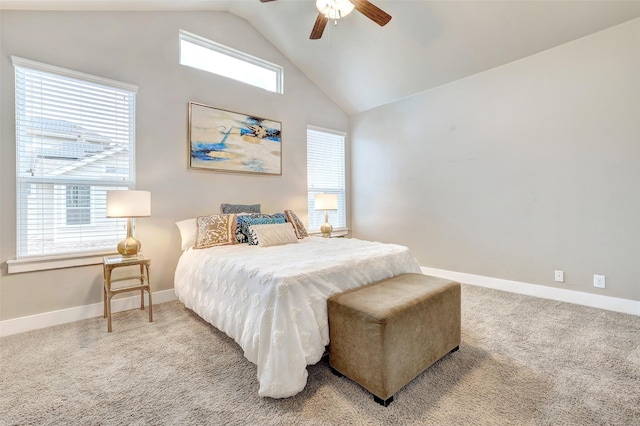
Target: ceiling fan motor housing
x,y
334,9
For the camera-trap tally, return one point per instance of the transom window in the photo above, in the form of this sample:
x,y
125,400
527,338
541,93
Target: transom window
x,y
207,55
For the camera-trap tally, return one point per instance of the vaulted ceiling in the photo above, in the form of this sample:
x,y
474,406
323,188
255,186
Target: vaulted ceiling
x,y
361,65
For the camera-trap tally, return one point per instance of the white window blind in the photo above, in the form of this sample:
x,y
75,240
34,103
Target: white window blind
x,y
75,139
325,174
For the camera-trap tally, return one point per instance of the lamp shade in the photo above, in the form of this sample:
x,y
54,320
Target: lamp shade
x,y
326,202
123,203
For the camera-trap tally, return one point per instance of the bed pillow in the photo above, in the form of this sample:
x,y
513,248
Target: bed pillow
x,y
216,230
239,208
188,230
258,219
273,234
240,237
298,226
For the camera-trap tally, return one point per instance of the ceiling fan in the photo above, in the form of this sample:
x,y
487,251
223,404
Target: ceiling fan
x,y
336,9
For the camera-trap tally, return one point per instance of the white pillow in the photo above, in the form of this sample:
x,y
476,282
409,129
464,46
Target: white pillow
x,y
273,234
188,230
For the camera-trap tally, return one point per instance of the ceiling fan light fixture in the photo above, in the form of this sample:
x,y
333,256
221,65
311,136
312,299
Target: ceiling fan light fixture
x,y
334,9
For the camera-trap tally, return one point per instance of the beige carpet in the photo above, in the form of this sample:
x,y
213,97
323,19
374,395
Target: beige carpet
x,y
523,361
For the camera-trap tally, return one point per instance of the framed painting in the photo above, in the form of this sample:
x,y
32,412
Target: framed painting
x,y
232,142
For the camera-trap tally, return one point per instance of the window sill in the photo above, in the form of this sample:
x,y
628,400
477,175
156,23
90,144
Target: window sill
x,y
55,262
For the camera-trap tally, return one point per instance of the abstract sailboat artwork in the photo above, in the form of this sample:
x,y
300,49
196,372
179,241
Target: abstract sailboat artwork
x,y
227,141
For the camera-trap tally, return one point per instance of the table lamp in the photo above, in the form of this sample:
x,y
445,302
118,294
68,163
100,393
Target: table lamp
x,y
326,202
129,204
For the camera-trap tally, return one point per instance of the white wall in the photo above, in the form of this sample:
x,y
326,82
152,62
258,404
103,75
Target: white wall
x,y
514,172
142,48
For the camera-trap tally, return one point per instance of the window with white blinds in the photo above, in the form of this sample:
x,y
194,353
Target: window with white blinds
x,y
326,174
75,139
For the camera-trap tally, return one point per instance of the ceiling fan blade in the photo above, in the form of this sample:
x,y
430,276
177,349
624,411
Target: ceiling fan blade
x,y
318,27
372,12
265,1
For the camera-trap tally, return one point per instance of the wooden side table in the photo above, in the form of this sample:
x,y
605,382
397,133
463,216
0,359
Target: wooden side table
x,y
109,263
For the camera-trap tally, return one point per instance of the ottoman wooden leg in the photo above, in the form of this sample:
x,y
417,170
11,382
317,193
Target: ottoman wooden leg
x,y
383,402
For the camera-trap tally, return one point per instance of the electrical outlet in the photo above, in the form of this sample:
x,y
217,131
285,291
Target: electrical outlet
x,y
599,281
559,276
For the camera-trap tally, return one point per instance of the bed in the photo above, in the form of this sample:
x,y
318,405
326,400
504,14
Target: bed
x,y
273,300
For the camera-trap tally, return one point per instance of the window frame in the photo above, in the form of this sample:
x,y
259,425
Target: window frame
x,y
235,54
339,218
25,184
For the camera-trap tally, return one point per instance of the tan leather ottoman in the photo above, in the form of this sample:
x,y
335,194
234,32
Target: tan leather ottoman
x,y
384,334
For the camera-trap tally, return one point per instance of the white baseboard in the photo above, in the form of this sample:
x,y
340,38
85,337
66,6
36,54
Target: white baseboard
x,y
47,319
570,296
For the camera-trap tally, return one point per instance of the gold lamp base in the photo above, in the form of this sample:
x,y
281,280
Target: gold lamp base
x,y
326,227
129,246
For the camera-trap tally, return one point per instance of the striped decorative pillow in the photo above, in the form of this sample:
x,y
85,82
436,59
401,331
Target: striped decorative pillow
x,y
298,226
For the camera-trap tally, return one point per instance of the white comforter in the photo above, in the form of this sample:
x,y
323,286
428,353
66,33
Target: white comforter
x,y
272,300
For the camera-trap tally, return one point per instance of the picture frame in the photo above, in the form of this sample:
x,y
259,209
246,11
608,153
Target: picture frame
x,y
227,141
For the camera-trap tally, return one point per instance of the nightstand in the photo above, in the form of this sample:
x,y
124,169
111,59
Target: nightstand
x,y
109,263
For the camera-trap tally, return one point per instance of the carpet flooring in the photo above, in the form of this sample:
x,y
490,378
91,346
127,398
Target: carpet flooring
x,y
522,361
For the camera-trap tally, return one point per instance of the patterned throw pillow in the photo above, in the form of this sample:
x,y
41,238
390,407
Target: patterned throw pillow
x,y
275,234
298,226
240,237
258,219
216,230
239,208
